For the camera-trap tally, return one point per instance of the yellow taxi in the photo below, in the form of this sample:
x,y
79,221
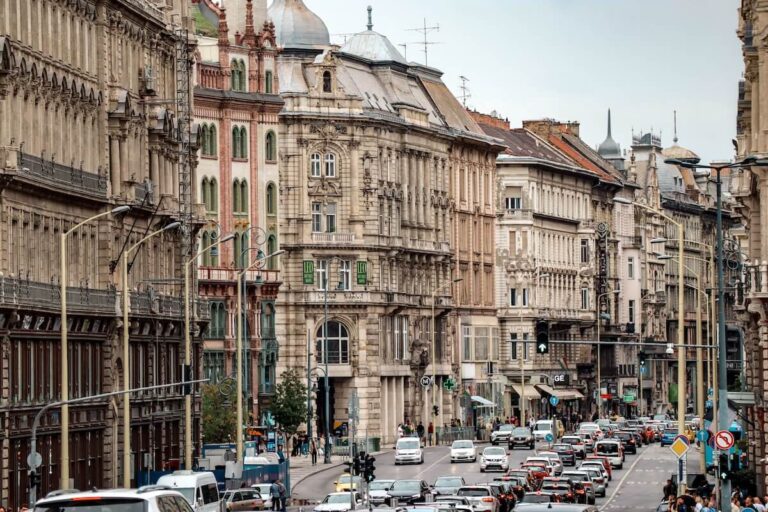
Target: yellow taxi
x,y
347,482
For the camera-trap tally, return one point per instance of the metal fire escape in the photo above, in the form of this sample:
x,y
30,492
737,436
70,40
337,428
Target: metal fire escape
x,y
184,118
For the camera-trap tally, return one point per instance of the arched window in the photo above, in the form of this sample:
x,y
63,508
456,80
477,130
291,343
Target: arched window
x,y
268,82
234,82
271,199
327,81
205,136
213,194
212,141
242,86
338,343
204,244
267,320
236,196
244,196
272,248
315,161
243,142
244,255
205,194
269,146
235,142
330,165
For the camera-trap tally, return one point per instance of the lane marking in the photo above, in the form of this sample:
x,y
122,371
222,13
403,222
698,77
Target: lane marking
x,y
621,482
433,464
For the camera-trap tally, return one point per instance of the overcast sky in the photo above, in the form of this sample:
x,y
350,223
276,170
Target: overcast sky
x,y
573,59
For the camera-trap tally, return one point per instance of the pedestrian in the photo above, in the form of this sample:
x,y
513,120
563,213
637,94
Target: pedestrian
x,y
400,431
757,504
735,505
420,431
283,495
313,451
274,493
431,433
670,489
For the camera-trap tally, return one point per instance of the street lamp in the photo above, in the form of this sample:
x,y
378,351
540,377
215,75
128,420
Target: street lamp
x,y
127,354
64,482
599,315
188,349
434,362
259,260
680,306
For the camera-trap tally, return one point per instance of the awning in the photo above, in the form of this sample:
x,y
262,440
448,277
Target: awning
x,y
531,393
742,398
562,394
484,402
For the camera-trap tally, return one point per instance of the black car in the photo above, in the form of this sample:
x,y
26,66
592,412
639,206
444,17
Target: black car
x,y
566,452
409,491
504,494
521,436
628,441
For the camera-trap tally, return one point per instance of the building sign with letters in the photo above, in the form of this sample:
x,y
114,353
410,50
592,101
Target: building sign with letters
x,y
562,379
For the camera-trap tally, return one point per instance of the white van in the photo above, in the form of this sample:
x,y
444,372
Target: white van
x,y
199,488
542,428
408,451
612,450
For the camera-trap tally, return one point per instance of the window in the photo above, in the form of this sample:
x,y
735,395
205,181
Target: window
x,y
268,82
338,343
327,86
236,196
323,218
213,365
466,342
241,254
271,199
525,296
218,323
401,338
243,196
513,344
585,251
631,267
317,217
314,165
513,297
239,143
208,142
205,242
237,79
270,149
345,274
481,344
330,165
239,196
524,346
585,298
271,249
321,269
204,190
209,194
631,311
330,218
513,203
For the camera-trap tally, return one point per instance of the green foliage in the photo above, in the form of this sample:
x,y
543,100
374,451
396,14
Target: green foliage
x,y
219,414
289,406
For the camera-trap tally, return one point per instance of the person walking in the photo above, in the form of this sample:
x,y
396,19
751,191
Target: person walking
x,y
420,431
274,493
670,489
430,432
283,495
313,451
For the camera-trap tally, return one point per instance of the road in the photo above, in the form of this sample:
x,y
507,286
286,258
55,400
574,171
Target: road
x,y
636,488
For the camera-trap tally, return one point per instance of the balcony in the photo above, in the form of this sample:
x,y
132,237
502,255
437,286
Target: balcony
x,y
20,293
229,275
742,183
371,297
333,238
428,245
518,214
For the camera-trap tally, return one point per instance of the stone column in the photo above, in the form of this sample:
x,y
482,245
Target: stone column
x,y
175,178
153,173
114,165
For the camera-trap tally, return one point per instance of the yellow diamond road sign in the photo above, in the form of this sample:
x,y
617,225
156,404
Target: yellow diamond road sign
x,y
680,446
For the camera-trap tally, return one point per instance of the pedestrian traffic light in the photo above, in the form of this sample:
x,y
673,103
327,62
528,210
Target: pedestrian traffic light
x,y
435,410
542,337
369,469
34,479
724,468
642,358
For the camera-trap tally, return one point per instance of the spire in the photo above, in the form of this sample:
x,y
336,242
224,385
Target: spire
x,y
674,140
223,28
609,123
249,18
370,18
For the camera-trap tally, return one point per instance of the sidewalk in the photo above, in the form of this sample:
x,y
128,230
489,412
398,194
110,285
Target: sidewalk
x,y
301,467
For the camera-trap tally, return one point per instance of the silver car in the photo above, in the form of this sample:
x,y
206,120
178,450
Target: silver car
x,y
480,497
598,479
584,478
494,457
463,450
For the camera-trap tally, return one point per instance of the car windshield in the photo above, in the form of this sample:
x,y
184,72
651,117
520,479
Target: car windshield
x,y
670,431
449,481
506,428
462,444
536,498
521,431
408,444
407,485
345,479
380,485
494,450
101,505
562,447
575,476
608,448
473,492
337,498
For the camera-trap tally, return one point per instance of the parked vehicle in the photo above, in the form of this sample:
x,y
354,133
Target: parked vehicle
x,y
263,490
339,502
199,488
243,500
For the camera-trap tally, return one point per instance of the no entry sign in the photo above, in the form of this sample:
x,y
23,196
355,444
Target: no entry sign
x,y
724,440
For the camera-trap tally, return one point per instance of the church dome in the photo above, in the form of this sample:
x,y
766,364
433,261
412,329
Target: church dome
x,y
372,45
681,153
609,148
296,26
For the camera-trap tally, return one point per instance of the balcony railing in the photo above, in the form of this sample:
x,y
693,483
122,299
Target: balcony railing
x,y
517,214
48,172
228,274
37,295
333,238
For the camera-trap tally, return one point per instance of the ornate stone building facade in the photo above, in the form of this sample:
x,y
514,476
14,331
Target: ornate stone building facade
x,y
386,190
237,106
88,122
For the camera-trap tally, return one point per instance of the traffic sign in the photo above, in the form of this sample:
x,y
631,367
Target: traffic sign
x,y
680,446
554,401
702,435
724,440
426,381
549,437
34,460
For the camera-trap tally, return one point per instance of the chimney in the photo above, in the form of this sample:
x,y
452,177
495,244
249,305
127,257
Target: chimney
x,y
489,119
546,127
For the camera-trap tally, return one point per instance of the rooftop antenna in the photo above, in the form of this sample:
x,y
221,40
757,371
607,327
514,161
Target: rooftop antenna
x,y
675,138
405,50
465,95
425,30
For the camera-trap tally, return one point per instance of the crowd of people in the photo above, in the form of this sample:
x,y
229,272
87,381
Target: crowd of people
x,y
701,500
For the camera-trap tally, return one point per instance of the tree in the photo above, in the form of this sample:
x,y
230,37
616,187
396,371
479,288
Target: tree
x,y
290,404
219,413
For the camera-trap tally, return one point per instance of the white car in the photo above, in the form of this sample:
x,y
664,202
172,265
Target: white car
x,y
144,499
494,457
463,450
265,494
338,502
612,450
502,434
595,464
599,482
554,458
408,451
577,444
378,491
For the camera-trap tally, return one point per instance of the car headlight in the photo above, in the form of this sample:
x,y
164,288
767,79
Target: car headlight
x,y
416,496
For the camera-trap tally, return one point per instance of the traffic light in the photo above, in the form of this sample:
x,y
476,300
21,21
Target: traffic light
x,y
369,469
357,466
642,358
435,410
34,479
724,467
542,337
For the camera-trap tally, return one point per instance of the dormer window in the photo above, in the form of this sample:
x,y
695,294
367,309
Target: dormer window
x,y
327,81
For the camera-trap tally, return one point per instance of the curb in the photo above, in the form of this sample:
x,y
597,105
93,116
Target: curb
x,y
327,467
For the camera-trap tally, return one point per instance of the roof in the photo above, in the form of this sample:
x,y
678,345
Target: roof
x,y
521,142
147,492
204,18
373,46
454,114
568,144
680,153
296,26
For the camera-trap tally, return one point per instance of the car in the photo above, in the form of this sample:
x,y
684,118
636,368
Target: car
x,y
591,428
505,494
453,500
263,490
409,491
346,482
526,474
501,435
588,439
151,498
517,485
243,500
480,497
521,436
577,443
561,487
543,428
599,481
606,464
554,457
198,487
596,464
448,485
583,479
339,502
566,452
547,461
463,450
668,436
378,491
408,450
494,457
627,440
612,450
537,497
539,470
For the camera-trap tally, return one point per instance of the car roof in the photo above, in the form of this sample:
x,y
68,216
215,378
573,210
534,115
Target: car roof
x,y
144,493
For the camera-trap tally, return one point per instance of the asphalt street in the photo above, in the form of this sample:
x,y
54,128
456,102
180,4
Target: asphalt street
x,y
636,487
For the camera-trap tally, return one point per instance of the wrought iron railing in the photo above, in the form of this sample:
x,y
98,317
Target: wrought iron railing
x,y
73,179
34,294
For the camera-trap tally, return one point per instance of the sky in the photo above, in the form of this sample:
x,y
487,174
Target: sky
x,y
574,59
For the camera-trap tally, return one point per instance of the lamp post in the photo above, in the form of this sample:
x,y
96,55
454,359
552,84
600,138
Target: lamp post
x,y
259,260
432,358
188,349
64,481
722,367
127,355
599,371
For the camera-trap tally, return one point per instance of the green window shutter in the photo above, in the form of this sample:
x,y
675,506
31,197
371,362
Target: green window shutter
x,y
362,272
309,272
